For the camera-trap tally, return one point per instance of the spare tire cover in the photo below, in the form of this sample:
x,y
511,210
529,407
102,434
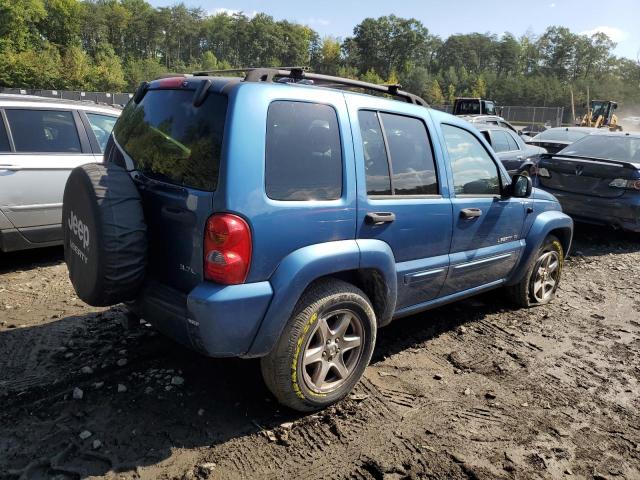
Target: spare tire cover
x,y
105,236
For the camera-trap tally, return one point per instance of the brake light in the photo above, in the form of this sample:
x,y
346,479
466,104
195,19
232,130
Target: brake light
x,y
624,183
227,249
171,82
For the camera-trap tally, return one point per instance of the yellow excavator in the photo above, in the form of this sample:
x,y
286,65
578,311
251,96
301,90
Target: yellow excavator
x,y
601,115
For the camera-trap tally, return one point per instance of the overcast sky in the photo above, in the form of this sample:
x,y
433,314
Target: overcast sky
x,y
620,19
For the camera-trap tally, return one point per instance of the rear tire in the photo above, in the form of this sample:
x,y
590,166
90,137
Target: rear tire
x,y
324,348
540,283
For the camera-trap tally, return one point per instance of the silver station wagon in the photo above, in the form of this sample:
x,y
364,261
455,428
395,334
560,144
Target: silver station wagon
x,y
41,141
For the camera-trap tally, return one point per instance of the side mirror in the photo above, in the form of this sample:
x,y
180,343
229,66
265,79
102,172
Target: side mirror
x,y
521,186
520,132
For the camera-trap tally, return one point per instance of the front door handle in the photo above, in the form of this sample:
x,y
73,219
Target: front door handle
x,y
378,218
470,212
11,168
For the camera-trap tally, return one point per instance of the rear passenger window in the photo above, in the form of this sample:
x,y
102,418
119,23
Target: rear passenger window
x,y
513,144
375,155
44,131
414,171
4,140
409,167
500,142
303,153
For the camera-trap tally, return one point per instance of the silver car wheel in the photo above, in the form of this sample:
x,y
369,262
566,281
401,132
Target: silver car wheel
x,y
547,272
333,350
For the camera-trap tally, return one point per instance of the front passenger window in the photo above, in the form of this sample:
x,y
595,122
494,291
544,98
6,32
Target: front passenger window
x,y
474,171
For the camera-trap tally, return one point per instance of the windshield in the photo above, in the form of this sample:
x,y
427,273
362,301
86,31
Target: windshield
x,y
612,147
468,107
171,140
561,135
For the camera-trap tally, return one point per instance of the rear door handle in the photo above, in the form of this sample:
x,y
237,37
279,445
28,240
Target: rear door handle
x,y
378,218
470,212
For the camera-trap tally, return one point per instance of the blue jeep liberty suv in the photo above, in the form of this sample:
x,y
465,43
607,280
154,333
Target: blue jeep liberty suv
x,y
285,216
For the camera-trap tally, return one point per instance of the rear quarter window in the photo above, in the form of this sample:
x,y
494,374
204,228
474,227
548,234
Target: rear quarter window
x,y
171,140
303,156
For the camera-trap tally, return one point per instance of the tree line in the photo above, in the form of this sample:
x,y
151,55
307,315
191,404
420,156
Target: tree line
x,y
112,45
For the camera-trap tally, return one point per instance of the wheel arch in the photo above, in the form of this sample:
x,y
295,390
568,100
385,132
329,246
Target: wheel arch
x,y
372,270
552,222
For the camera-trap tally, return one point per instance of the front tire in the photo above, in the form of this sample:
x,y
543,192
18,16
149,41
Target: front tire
x,y
540,283
324,348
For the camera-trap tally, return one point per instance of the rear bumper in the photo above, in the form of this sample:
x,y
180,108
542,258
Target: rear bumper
x,y
621,212
217,320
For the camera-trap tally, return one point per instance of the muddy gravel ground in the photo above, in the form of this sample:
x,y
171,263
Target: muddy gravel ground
x,y
472,390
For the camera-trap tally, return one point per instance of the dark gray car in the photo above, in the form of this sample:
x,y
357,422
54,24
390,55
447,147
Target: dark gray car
x,y
515,155
597,179
555,139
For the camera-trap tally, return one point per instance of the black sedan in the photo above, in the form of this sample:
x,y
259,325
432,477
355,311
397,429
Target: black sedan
x,y
555,139
515,155
597,179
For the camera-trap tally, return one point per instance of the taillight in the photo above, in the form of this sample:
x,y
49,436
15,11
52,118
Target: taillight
x,y
543,172
624,183
227,249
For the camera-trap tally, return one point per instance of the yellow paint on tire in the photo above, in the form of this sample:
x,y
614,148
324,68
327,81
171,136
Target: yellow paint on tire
x,y
294,365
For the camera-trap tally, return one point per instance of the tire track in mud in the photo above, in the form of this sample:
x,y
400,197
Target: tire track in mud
x,y
344,442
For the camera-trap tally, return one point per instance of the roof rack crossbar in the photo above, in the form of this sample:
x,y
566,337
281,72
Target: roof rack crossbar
x,y
302,73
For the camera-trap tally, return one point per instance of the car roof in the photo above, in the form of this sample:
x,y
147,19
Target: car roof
x,y
481,117
608,133
484,127
14,100
573,129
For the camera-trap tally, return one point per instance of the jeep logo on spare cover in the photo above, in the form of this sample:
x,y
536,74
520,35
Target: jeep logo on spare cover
x,y
79,229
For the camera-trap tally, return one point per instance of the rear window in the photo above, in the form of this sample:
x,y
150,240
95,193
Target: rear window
x,y
303,152
171,140
612,147
468,107
561,135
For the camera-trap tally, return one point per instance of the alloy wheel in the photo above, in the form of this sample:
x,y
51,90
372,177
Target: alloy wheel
x,y
547,272
333,350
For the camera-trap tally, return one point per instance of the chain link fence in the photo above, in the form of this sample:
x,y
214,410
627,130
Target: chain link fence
x,y
116,99
549,116
520,115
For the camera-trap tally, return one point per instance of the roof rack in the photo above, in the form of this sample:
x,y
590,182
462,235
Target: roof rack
x,y
302,73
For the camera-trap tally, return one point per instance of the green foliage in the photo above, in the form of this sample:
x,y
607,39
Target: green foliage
x,y
108,75
18,23
479,88
78,67
372,77
115,44
434,94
